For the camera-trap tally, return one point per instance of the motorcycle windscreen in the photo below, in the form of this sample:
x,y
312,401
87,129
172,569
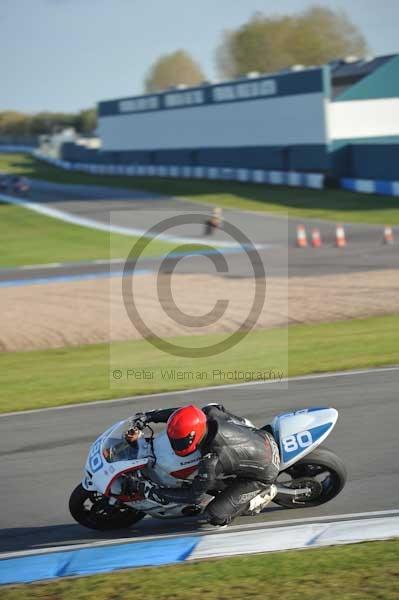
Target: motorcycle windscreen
x,y
301,432
111,455
116,449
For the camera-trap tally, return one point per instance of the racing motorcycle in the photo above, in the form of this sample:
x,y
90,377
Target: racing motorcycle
x,y
309,475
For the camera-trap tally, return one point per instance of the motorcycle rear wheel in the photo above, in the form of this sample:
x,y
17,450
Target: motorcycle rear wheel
x,y
321,470
92,510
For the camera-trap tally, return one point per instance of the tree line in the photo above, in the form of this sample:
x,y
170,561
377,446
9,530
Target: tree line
x,y
265,44
14,123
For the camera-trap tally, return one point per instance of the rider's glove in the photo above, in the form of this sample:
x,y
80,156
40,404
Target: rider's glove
x,y
132,435
140,420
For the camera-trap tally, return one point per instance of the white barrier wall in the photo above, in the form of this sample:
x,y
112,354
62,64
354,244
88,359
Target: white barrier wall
x,y
283,110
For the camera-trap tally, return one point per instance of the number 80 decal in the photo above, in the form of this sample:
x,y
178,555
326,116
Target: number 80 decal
x,y
299,440
95,460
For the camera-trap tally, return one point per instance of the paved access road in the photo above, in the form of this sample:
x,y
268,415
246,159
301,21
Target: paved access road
x,y
42,453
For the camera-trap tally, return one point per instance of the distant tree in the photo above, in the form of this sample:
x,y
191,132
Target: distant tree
x,y
46,122
172,69
15,123
267,44
86,121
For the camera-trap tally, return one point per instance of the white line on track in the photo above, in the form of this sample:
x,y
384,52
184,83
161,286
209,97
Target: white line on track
x,y
201,533
56,265
206,389
109,228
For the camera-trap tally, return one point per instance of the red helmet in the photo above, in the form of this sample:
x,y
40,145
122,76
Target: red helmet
x,y
186,428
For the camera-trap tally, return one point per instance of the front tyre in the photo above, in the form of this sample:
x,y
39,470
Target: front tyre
x,y
322,471
91,509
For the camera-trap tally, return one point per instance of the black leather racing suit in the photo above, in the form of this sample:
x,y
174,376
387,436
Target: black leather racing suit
x,y
237,463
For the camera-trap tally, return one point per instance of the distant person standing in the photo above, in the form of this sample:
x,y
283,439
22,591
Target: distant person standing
x,y
214,222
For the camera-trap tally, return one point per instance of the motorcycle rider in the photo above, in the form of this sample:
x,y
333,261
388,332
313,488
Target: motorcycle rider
x,y
238,462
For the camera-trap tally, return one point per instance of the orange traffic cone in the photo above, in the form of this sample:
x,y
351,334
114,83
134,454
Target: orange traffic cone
x,y
388,235
301,239
340,240
316,238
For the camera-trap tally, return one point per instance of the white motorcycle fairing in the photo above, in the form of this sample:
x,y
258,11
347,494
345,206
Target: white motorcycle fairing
x,y
300,432
157,460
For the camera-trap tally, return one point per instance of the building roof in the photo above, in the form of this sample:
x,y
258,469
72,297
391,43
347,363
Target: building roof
x,y
347,72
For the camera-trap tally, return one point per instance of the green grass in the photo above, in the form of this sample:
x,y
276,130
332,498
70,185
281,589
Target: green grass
x,y
353,572
336,205
41,379
28,238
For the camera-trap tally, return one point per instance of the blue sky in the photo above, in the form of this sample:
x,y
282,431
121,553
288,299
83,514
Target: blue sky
x,y
68,54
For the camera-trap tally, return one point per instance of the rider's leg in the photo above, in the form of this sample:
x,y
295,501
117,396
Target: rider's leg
x,y
234,501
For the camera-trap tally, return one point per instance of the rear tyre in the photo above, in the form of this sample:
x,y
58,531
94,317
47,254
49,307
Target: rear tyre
x,y
322,471
92,510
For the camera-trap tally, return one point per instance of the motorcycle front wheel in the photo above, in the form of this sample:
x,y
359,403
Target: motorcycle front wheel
x,y
322,471
91,509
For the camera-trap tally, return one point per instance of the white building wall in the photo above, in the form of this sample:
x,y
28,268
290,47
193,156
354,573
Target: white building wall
x,y
363,118
284,120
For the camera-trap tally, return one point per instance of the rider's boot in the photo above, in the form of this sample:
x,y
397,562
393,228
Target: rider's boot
x,y
260,501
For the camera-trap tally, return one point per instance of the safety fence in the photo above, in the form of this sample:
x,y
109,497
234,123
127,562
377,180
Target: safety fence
x,y
369,186
12,148
289,178
94,558
260,176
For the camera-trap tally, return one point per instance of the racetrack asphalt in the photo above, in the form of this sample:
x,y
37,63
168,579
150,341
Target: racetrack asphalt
x,y
43,453
137,209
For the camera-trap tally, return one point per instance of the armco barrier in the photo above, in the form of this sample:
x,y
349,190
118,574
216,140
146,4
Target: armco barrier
x,y
39,565
17,149
370,186
289,178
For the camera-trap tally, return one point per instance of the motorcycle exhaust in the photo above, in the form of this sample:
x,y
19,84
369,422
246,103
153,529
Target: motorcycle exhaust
x,y
281,489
